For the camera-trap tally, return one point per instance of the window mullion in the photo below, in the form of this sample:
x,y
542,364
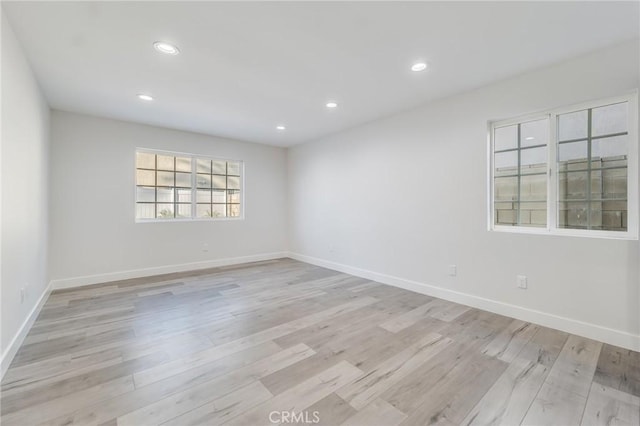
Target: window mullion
x,y
588,197
193,188
519,210
553,205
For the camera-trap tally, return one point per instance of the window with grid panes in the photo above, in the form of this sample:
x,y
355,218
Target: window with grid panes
x,y
520,173
569,171
184,186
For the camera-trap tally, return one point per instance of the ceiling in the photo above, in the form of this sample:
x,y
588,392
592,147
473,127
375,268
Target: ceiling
x,y
246,67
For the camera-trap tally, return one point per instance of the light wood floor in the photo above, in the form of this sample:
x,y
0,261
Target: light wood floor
x,y
234,345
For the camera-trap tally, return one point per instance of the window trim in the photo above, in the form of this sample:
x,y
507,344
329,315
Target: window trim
x,y
194,203
633,218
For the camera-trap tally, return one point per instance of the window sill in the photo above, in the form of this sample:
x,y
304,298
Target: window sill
x,y
222,219
610,235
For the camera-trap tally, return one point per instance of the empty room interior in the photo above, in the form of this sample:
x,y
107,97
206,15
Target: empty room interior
x,y
320,213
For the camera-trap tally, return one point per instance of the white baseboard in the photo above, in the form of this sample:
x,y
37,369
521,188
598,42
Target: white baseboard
x,y
159,270
11,351
569,325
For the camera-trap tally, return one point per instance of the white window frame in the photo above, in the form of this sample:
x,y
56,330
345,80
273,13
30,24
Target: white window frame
x,y
552,178
194,203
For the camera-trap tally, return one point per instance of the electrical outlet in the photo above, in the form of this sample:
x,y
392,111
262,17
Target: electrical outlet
x,y
205,247
522,281
453,270
23,293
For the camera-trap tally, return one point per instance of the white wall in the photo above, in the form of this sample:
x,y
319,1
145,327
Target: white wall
x,y
400,199
94,235
25,194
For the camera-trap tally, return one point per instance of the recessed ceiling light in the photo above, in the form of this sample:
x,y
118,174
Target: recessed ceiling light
x,y
529,138
144,97
419,66
164,47
331,104
281,127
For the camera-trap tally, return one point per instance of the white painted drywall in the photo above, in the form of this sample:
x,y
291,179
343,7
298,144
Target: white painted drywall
x,y
94,234
407,196
25,193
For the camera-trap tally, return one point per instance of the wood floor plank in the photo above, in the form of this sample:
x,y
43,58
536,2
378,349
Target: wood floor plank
x,y
619,368
555,405
608,406
365,390
224,408
35,414
574,369
300,397
377,412
75,384
235,370
563,396
329,411
450,398
509,399
403,321
195,396
510,342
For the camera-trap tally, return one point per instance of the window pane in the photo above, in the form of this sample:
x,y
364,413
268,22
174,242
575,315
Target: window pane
x,y
534,133
145,161
233,168
165,195
572,156
219,197
234,196
614,183
533,160
219,167
203,166
533,188
184,210
506,213
183,179
145,177
165,211
165,179
607,149
573,125
145,211
184,195
219,210
203,210
506,163
533,214
614,215
219,182
506,189
609,119
146,194
233,210
203,196
165,162
572,185
183,164
506,138
203,181
572,215
233,182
